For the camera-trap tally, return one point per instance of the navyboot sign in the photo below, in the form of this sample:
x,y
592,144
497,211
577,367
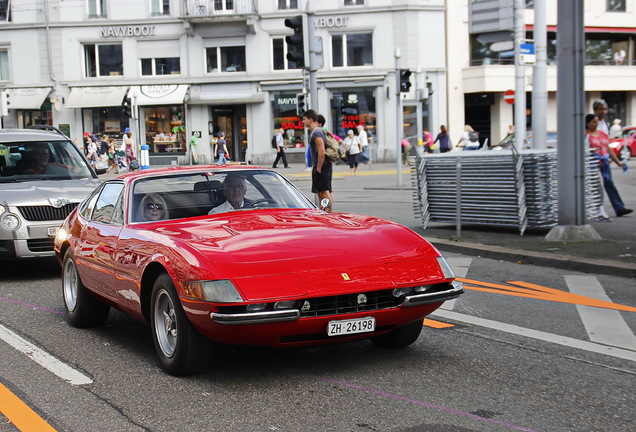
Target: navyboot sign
x,y
128,31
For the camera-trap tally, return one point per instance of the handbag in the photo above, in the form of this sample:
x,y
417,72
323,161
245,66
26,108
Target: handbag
x,y
134,164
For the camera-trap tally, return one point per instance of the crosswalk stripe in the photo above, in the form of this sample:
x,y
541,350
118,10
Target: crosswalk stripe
x,y
602,325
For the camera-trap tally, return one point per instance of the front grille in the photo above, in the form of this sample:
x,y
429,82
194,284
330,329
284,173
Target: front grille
x,y
40,245
348,303
46,213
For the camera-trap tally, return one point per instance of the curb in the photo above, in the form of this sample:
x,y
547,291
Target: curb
x,y
566,262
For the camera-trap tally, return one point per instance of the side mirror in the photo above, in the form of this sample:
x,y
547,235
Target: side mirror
x,y
324,203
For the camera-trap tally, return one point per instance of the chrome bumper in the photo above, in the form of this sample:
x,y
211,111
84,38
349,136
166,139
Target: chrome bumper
x,y
256,317
453,292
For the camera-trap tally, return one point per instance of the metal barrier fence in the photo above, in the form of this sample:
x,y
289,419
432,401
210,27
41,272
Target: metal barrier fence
x,y
496,188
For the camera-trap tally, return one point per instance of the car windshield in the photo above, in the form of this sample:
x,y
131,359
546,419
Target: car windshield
x,y
202,193
41,160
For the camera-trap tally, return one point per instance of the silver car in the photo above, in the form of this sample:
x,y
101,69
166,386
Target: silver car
x,y
43,177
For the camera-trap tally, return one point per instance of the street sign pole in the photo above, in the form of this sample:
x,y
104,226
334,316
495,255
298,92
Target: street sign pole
x,y
520,81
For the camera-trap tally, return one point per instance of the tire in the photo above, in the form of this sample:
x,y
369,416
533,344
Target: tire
x,y
82,309
625,153
400,337
181,349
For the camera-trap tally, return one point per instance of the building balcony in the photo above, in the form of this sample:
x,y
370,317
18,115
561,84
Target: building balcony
x,y
217,10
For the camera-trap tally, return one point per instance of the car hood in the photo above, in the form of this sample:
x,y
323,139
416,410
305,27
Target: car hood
x,y
46,192
269,254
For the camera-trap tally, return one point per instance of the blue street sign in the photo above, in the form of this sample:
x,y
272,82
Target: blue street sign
x,y
527,48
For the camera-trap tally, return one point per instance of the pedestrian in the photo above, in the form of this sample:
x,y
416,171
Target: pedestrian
x,y
193,148
129,151
615,130
469,139
599,143
427,144
600,111
511,130
280,148
352,146
321,125
220,149
406,149
364,141
87,140
322,169
443,137
619,57
112,157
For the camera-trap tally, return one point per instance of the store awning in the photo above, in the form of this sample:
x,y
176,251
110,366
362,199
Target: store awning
x,y
171,94
96,97
27,98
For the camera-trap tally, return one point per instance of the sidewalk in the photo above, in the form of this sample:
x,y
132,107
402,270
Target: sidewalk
x,y
374,191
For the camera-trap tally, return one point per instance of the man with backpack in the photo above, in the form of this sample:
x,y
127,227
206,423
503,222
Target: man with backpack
x,y
470,139
322,169
278,142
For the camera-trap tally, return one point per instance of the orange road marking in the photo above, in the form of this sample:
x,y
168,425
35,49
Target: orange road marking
x,y
436,324
19,413
539,292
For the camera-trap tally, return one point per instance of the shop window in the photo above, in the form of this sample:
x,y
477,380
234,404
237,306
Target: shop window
x,y
352,49
224,5
160,7
4,65
287,4
350,108
5,10
97,8
279,55
286,117
616,5
103,60
225,59
161,66
354,2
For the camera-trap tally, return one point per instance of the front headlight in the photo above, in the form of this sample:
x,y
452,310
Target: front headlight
x,y
447,271
217,291
10,222
2,209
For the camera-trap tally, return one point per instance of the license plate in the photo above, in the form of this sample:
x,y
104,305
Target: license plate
x,y
52,232
352,326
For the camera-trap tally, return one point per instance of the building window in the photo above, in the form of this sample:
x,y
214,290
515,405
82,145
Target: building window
x,y
225,59
224,5
354,49
354,2
160,7
5,10
97,8
4,65
287,4
353,107
279,55
103,60
616,5
161,66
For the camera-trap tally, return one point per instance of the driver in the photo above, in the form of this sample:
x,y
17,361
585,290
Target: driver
x,y
234,188
39,162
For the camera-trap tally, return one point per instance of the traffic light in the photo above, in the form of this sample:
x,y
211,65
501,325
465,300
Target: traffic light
x,y
405,80
297,45
301,103
4,104
126,107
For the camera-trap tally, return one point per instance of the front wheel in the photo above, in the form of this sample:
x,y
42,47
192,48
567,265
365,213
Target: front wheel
x,y
181,349
400,337
82,309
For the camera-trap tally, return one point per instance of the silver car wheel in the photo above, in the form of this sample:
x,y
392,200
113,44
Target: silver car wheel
x,y
166,323
70,281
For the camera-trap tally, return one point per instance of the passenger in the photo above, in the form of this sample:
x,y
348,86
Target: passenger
x,y
39,162
234,188
152,208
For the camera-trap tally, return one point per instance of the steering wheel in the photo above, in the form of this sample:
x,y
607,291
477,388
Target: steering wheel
x,y
255,203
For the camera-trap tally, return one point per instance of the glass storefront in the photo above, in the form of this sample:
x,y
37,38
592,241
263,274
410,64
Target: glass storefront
x,y
350,108
285,116
232,121
109,121
164,128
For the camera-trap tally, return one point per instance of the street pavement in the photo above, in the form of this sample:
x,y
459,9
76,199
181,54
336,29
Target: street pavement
x,y
375,191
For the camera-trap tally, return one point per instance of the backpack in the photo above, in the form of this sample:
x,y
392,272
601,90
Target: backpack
x,y
332,148
274,145
473,136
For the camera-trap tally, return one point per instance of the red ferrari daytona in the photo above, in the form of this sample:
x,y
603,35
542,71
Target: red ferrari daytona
x,y
238,255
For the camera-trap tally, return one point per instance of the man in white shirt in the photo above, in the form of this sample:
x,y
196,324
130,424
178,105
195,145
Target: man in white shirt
x,y
364,141
600,110
234,188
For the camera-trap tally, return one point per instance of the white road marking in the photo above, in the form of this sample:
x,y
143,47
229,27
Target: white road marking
x,y
535,334
604,326
43,358
460,267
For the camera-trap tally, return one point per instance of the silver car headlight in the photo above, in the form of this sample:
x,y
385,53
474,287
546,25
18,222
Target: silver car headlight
x,y
447,271
217,291
2,209
10,222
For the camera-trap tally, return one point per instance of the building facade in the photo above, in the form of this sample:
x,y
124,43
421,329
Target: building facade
x,y
168,69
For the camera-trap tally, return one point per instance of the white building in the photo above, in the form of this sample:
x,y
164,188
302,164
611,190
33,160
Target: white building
x,y
218,65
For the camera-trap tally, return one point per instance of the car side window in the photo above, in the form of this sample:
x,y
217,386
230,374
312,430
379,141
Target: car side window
x,y
109,199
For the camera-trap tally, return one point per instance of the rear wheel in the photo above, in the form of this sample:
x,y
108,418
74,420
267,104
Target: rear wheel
x,y
82,309
181,349
400,337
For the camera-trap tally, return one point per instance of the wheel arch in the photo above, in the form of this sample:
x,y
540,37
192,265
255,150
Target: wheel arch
x,y
152,271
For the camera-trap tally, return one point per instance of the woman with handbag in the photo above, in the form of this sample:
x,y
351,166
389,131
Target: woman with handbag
x,y
353,148
130,153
